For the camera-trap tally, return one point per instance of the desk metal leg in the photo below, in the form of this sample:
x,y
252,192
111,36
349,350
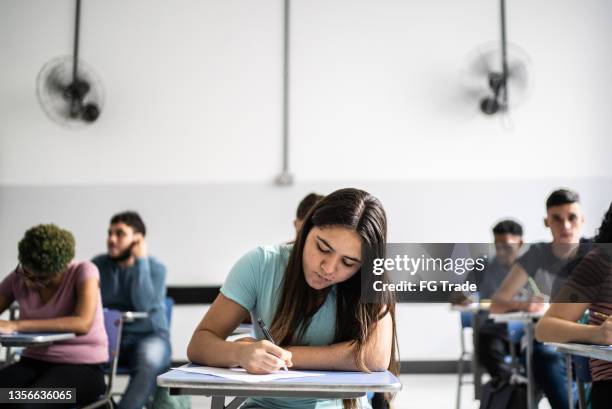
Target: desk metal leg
x,y
476,368
530,382
570,395
581,395
218,402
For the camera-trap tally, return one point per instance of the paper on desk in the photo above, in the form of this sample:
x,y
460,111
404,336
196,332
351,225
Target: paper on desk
x,y
240,374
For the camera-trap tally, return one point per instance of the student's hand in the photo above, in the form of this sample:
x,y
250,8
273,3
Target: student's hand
x,y
139,248
263,357
6,327
603,335
246,339
536,304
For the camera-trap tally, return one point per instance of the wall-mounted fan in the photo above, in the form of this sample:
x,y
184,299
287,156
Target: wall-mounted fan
x,y
68,90
497,74
491,88
68,99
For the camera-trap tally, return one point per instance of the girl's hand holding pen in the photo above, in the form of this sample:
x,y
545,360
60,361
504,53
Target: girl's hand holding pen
x,y
603,335
536,304
537,300
263,357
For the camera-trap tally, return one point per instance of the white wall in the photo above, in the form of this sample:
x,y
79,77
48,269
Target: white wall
x,y
190,133
194,91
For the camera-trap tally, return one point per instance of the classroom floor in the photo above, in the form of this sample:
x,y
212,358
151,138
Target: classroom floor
x,y
419,391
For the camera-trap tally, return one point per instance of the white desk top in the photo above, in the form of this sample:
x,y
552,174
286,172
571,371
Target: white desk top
x,y
472,307
603,352
331,385
129,316
34,338
517,316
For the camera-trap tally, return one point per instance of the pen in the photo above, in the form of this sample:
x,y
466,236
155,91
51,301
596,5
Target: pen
x,y
600,315
266,333
534,287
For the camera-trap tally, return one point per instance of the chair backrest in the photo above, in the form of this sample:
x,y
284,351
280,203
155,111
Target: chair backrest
x,y
113,322
581,368
169,304
516,329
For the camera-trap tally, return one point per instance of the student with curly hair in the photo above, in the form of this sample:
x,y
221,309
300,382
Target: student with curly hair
x,y
309,293
55,294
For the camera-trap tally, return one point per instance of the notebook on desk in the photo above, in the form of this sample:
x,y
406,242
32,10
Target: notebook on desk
x,y
239,374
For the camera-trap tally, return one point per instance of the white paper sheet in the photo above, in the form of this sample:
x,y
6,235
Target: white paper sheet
x,y
240,374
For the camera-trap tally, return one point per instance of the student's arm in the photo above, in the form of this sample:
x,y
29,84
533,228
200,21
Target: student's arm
x,y
584,286
149,283
209,347
4,303
6,291
88,292
341,356
559,325
503,299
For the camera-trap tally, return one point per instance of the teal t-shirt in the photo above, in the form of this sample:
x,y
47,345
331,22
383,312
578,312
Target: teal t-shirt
x,y
255,283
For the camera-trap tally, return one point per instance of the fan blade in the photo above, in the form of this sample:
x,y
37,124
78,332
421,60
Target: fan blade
x,y
469,95
55,85
481,66
517,73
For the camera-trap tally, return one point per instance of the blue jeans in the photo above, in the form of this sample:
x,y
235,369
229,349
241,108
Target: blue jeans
x,y
550,374
146,356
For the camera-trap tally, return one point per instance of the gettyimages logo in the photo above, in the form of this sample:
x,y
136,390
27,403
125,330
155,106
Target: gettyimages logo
x,y
443,272
412,265
423,272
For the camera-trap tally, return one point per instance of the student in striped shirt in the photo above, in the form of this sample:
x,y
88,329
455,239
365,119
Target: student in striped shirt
x,y
588,287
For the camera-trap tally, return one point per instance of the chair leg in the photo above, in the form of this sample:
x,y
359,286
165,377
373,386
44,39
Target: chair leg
x,y
460,368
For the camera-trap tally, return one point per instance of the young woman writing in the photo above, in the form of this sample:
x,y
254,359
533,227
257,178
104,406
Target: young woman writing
x,y
309,294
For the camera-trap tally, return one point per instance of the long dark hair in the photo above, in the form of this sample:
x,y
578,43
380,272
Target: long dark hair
x,y
355,320
604,234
